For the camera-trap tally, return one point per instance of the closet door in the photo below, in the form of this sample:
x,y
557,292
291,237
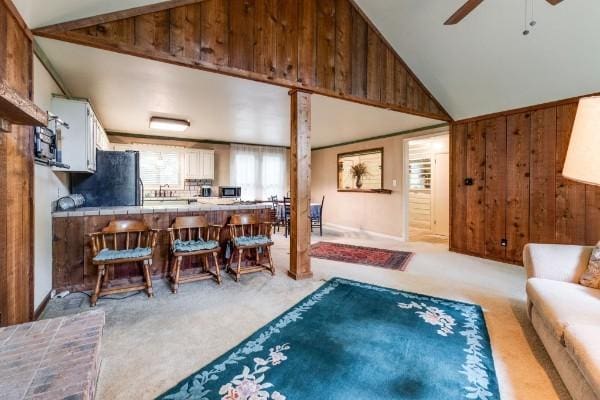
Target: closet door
x,y
517,185
495,187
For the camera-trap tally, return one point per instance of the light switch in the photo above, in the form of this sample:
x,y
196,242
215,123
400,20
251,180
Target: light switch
x,y
394,183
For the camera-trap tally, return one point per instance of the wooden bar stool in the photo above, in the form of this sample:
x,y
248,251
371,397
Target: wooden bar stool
x,y
122,242
247,235
193,236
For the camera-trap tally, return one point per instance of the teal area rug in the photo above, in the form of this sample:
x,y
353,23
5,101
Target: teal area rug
x,y
351,340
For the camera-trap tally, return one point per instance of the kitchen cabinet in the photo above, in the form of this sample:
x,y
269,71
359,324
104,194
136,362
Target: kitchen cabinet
x,y
199,164
85,132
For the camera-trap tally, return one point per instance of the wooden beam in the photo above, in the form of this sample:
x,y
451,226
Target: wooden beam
x,y
18,110
300,185
114,16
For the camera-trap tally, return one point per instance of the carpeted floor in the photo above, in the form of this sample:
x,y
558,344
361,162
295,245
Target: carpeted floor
x,y
151,344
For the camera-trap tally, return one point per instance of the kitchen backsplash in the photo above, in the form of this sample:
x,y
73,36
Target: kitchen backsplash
x,y
196,184
191,188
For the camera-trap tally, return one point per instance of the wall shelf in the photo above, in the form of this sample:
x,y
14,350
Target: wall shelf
x,y
18,110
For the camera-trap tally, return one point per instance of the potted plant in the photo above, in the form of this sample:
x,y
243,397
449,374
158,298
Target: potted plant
x,y
358,171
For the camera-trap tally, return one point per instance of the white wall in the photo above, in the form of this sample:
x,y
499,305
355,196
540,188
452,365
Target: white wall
x,y
48,187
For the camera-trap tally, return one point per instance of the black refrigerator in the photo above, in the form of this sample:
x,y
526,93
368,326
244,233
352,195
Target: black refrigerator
x,y
116,181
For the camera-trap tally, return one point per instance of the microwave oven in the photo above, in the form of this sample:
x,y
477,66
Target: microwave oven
x,y
230,191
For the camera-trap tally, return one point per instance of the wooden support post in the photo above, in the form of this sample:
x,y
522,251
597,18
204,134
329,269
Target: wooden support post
x,y
300,185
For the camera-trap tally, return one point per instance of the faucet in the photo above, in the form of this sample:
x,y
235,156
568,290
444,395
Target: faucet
x,y
162,193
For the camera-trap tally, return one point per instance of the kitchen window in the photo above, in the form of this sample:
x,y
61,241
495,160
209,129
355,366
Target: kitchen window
x,y
159,165
260,171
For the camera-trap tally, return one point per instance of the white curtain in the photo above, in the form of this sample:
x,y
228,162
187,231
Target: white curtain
x,y
260,171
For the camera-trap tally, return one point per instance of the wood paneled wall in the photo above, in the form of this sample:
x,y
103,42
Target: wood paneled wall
x,y
518,194
326,46
16,176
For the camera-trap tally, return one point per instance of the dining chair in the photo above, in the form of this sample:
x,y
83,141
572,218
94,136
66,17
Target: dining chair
x,y
122,242
248,235
274,212
194,237
287,214
316,219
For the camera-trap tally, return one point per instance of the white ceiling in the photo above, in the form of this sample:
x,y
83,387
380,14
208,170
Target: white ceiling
x,y
484,64
126,91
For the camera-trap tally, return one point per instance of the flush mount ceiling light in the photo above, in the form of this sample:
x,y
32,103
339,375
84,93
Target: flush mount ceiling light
x,y
169,124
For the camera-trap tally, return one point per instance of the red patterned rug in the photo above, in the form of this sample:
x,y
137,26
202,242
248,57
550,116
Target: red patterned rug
x,y
383,258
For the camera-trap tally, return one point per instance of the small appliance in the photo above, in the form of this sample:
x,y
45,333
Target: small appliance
x,y
205,191
230,191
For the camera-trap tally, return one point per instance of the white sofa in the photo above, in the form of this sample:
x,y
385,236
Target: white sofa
x,y
565,315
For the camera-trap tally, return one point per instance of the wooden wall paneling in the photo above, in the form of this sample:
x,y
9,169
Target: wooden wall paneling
x,y
343,47
495,187
241,33
388,92
326,44
400,84
18,54
3,34
307,41
517,184
570,195
185,33
543,178
475,199
458,192
374,65
359,54
265,49
411,92
117,32
215,32
152,31
286,37
592,226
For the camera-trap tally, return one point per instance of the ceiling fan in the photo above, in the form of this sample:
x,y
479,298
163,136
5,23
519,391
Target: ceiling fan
x,y
470,5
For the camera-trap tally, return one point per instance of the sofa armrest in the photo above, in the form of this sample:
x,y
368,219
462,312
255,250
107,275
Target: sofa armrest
x,y
557,262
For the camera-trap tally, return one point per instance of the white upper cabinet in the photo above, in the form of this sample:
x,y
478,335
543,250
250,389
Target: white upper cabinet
x,y
199,164
84,136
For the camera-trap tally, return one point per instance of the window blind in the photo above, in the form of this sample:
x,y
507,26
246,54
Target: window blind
x,y
160,168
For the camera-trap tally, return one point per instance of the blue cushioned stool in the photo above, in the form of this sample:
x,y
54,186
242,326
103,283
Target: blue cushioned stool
x,y
253,238
194,237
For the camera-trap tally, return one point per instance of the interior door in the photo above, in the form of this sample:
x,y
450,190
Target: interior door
x,y
441,194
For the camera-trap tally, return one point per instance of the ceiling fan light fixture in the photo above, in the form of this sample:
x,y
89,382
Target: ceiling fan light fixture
x,y
169,124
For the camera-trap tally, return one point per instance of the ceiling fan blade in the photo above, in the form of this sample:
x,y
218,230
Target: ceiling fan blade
x,y
554,2
462,12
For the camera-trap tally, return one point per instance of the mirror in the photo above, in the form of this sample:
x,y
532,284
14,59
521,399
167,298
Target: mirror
x,y
361,171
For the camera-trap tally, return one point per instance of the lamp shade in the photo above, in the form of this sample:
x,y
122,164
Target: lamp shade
x,y
583,156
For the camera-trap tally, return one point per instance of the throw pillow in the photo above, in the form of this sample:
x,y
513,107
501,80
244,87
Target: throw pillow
x,y
591,276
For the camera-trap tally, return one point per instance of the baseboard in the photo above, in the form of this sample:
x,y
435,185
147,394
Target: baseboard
x,y
40,309
339,228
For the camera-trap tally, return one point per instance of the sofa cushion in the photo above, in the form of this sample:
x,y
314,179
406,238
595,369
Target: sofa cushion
x,y
583,344
561,304
591,276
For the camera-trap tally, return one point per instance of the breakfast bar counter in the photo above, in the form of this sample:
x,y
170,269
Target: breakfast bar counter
x,y
72,251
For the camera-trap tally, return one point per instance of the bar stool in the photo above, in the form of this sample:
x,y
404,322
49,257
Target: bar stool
x,y
122,242
189,237
247,234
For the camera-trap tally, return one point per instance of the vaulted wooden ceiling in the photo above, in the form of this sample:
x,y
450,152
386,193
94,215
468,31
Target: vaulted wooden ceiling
x,y
326,46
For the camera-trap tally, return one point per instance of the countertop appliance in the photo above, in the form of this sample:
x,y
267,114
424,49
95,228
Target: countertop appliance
x,y
116,181
230,191
205,191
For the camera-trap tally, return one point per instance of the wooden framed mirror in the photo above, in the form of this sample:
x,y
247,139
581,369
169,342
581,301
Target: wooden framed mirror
x,y
361,171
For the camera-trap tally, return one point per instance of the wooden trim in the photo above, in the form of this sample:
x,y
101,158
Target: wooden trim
x,y
534,107
113,16
414,76
40,309
18,110
388,135
375,191
20,21
358,153
191,140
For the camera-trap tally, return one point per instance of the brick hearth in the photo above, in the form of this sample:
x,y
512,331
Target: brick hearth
x,y
51,359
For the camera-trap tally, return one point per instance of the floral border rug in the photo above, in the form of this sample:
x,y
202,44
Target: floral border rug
x,y
391,259
352,340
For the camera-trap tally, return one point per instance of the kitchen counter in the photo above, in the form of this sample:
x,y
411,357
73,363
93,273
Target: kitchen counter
x,y
157,208
72,267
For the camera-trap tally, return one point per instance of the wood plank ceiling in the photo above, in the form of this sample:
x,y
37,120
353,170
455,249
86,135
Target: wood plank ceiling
x,y
328,47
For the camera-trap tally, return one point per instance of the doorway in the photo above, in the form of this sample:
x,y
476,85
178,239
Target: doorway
x,y
427,182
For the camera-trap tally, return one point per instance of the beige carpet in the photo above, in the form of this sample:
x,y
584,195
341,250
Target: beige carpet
x,y
150,344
